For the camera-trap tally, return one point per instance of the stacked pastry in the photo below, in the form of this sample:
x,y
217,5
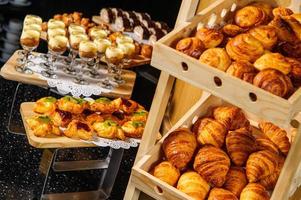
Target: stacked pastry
x,y
32,27
261,45
113,119
224,157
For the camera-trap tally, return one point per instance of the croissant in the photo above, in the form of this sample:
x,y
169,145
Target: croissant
x,y
267,8
290,49
254,191
232,30
179,147
192,184
295,73
263,142
191,46
244,47
221,194
277,135
273,61
209,131
236,180
242,70
210,37
212,164
45,105
216,57
232,117
166,172
297,16
273,81
240,144
294,24
250,16
284,32
281,11
266,35
261,164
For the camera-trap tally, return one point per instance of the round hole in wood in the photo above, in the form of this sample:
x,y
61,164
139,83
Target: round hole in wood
x,y
158,190
218,82
294,123
184,66
252,96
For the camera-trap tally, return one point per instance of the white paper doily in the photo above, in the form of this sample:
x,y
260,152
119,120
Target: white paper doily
x,y
115,144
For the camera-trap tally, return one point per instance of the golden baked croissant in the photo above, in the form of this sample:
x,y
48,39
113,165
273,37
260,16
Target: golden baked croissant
x,y
209,131
192,184
221,194
295,73
266,35
45,105
216,57
94,117
103,105
244,47
42,126
210,37
243,70
267,8
254,191
108,129
263,142
294,24
284,32
72,104
297,16
250,16
166,172
126,105
79,130
179,147
240,144
232,117
277,135
191,46
282,11
236,180
133,129
212,164
232,30
261,164
274,81
273,61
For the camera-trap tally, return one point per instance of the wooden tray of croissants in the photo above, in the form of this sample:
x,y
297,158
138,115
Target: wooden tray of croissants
x,y
216,152
71,122
242,51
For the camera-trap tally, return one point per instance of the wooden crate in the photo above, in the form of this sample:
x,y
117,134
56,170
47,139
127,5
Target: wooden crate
x,y
270,107
158,189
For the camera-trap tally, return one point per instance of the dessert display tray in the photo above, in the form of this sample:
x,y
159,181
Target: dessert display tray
x,y
158,189
247,96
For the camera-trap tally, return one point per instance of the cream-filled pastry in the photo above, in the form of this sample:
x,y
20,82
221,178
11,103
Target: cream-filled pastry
x,y
114,54
87,49
102,44
58,43
30,38
76,39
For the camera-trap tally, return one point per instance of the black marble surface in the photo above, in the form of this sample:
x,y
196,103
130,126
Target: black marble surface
x,y
20,177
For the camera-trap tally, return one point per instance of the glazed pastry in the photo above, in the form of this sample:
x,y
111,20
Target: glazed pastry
x,y
221,194
244,47
209,131
179,147
266,7
72,104
232,117
103,105
92,118
45,105
212,164
139,115
284,32
242,70
273,81
266,35
108,129
232,30
166,172
250,16
261,164
146,50
236,180
281,11
254,191
79,130
133,129
61,118
125,105
290,49
273,61
42,126
277,135
210,37
263,142
294,24
217,58
240,144
191,46
192,184
295,73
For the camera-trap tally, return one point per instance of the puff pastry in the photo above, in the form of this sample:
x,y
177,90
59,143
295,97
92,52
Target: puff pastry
x,y
72,104
273,61
266,35
210,37
282,11
290,49
217,58
166,172
61,118
277,135
295,73
236,180
191,46
125,105
284,32
221,194
108,129
209,131
212,164
42,126
244,47
192,184
263,142
254,191
45,105
179,147
294,24
250,16
232,30
103,105
79,130
267,8
242,70
133,129
274,81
